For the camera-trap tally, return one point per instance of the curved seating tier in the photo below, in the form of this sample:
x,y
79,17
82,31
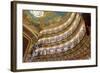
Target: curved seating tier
x,y
62,39
59,28
71,54
63,35
62,47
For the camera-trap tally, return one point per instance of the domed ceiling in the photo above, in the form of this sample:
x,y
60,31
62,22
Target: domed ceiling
x,y
54,36
45,19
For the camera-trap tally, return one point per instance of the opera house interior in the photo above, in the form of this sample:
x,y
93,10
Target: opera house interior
x,y
56,36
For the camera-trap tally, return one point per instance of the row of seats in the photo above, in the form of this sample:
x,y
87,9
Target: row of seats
x,y
64,35
66,38
72,54
62,47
